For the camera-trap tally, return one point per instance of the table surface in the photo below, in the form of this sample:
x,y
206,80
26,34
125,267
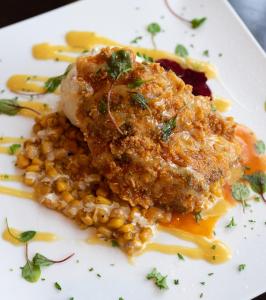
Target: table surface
x,y
252,12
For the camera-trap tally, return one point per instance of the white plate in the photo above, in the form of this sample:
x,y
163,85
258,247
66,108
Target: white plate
x,y
242,70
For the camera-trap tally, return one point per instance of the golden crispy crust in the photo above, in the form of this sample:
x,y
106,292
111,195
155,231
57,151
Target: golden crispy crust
x,y
139,166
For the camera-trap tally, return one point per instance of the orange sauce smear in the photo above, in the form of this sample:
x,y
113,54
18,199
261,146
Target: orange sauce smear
x,y
251,159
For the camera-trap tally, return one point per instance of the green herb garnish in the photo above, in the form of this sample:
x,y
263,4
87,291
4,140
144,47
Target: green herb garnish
x,y
11,107
206,53
197,22
22,237
257,182
31,272
167,128
176,281
198,216
210,274
140,100
102,106
118,63
158,279
231,223
115,243
180,256
52,83
57,286
260,147
136,40
153,29
241,192
13,149
201,295
42,261
181,50
145,57
241,267
136,83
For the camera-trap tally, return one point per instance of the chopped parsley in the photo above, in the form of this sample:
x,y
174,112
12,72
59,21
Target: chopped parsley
x,y
13,149
201,295
260,147
252,221
136,40
118,63
140,100
241,267
206,53
176,281
158,278
99,275
121,298
102,106
231,224
197,22
145,57
136,83
91,269
210,274
115,243
181,50
202,282
167,128
198,216
57,286
180,256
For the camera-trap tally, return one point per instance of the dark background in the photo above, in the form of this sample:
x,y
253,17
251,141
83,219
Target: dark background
x,y
253,13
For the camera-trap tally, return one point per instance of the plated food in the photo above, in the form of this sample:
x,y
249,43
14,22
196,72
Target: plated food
x,y
137,144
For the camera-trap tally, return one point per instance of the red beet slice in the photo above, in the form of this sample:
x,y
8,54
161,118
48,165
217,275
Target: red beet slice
x,y
198,80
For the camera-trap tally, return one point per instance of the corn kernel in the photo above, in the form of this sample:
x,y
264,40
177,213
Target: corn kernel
x,y
61,185
66,196
87,220
145,234
22,161
46,147
104,232
116,223
37,161
33,168
28,181
126,228
102,200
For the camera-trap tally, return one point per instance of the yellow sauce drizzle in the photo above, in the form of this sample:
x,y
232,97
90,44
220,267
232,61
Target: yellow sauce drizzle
x,y
47,51
79,41
16,192
222,105
4,150
39,237
211,250
10,140
40,107
26,83
8,177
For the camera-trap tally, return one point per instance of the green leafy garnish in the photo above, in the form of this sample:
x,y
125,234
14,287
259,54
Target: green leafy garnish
x,y
158,279
13,149
241,267
197,22
57,286
102,107
241,192
118,63
136,40
136,83
140,100
206,53
181,50
145,57
180,256
22,237
153,29
231,223
52,83
167,128
260,147
42,261
198,216
31,272
121,298
9,107
257,182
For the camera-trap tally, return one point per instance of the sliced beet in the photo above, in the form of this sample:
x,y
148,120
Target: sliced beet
x,y
198,80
